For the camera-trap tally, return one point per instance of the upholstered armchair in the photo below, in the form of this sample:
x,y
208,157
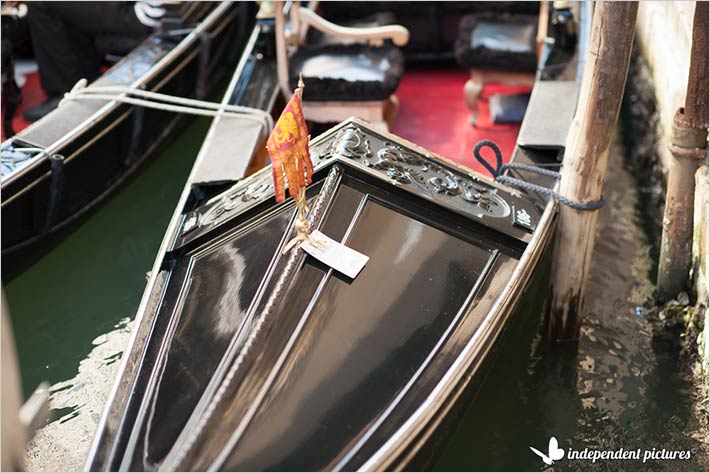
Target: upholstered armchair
x,y
355,76
497,47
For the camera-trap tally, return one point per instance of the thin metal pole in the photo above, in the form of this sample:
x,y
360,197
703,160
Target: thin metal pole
x,y
688,147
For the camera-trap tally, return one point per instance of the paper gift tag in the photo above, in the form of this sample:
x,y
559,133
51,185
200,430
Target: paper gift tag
x,y
335,254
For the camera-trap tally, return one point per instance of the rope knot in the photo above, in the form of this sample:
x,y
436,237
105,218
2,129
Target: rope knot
x,y
300,225
498,176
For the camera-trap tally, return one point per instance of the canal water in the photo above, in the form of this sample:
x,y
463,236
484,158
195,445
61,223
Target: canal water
x,y
72,310
624,387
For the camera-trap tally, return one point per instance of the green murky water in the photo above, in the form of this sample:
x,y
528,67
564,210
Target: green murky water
x,y
96,276
623,388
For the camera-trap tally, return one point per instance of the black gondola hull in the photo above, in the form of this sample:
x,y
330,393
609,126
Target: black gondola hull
x,y
100,154
244,357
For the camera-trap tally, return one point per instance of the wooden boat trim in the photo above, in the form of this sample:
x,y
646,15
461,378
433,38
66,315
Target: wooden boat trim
x,y
144,316
186,42
173,322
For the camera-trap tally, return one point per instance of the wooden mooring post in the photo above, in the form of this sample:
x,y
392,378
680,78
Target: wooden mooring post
x,y
689,148
606,64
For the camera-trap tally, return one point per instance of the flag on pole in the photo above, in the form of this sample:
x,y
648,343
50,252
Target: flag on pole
x,y
288,148
291,159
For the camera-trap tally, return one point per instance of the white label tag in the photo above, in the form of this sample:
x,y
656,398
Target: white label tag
x,y
336,255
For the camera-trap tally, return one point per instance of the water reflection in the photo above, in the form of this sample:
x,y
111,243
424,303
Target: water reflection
x,y
68,309
76,405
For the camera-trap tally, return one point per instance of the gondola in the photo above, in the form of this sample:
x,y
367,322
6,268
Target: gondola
x,y
67,163
246,357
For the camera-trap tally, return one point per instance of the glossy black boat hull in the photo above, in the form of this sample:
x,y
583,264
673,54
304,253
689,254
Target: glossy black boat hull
x,y
243,358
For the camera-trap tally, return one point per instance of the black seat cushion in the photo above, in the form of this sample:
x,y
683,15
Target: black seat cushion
x,y
349,73
505,43
340,12
433,26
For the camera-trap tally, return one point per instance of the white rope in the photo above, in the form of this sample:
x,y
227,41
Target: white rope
x,y
168,103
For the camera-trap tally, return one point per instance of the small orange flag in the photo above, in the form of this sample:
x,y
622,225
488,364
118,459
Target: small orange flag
x,y
288,147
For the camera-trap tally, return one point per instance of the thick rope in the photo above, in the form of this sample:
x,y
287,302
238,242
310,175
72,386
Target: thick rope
x,y
497,174
168,103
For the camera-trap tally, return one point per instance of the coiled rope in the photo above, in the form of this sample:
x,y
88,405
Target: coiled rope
x,y
168,103
497,174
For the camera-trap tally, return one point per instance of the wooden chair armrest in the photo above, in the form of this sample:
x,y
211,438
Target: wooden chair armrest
x,y
376,35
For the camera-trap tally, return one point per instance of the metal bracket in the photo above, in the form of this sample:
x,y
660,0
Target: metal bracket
x,y
137,117
687,141
56,182
203,58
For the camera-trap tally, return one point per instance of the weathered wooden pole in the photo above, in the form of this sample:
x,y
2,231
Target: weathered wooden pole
x,y
584,166
688,147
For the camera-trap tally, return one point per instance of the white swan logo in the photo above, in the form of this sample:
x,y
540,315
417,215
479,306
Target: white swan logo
x,y
553,452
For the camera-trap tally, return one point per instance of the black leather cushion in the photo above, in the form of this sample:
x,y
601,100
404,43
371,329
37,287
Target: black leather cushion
x,y
346,11
349,73
496,42
432,25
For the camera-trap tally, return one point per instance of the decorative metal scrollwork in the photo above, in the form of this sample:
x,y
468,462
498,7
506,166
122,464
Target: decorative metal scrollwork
x,y
409,168
235,199
401,165
487,199
350,143
445,182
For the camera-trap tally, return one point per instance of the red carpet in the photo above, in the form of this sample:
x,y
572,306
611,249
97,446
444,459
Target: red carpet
x,y
433,114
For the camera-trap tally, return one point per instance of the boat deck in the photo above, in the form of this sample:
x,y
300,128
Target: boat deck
x,y
433,114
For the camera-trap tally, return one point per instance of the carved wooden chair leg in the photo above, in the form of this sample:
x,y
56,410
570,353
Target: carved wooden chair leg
x,y
472,92
391,109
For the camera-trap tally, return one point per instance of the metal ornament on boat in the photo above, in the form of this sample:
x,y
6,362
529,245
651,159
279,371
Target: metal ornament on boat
x,y
387,157
406,167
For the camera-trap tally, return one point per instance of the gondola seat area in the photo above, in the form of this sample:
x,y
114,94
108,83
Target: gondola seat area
x,y
356,72
495,48
342,72
432,78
